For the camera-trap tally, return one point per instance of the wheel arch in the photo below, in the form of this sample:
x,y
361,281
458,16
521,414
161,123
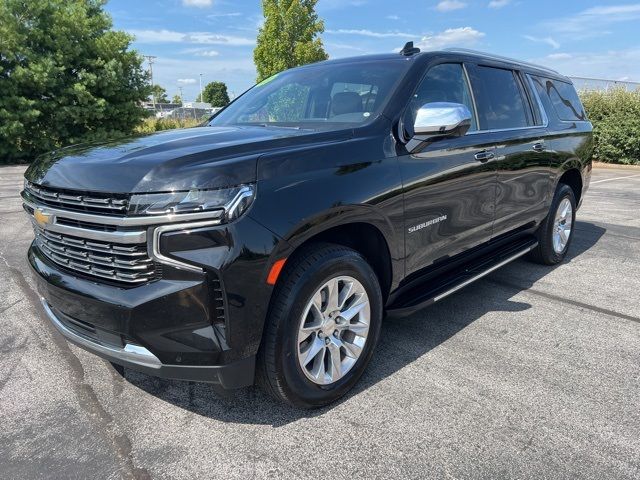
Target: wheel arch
x,y
571,175
360,228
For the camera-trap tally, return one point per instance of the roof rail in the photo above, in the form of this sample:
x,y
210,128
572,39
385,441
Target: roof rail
x,y
501,58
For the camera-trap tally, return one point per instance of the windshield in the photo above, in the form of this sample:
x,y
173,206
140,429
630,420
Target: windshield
x,y
338,93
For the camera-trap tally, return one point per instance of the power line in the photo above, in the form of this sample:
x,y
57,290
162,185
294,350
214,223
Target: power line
x,y
150,59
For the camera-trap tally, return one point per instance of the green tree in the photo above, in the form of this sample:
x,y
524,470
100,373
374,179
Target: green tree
x,y
215,93
176,99
65,77
159,94
289,36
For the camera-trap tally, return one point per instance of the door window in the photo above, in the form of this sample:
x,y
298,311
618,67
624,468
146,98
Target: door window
x,y
500,99
446,82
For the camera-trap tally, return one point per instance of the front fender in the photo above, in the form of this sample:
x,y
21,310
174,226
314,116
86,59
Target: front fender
x,y
299,206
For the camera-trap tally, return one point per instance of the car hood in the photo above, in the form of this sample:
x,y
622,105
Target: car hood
x,y
200,157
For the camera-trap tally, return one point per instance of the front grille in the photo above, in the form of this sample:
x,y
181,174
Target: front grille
x,y
128,264
80,202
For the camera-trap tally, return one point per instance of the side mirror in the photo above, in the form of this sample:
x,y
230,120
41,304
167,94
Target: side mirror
x,y
442,118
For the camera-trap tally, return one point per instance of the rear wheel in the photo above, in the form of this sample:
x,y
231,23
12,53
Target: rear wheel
x,y
556,231
322,328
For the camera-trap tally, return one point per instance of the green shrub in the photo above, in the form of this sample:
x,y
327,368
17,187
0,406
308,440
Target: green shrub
x,y
65,77
150,125
616,125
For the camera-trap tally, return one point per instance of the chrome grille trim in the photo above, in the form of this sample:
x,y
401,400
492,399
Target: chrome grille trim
x,y
120,263
123,221
129,237
79,201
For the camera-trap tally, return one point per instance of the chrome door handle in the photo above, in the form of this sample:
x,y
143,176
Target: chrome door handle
x,y
539,147
484,156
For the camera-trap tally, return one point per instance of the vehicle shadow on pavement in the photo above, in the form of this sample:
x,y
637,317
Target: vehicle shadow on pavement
x,y
402,341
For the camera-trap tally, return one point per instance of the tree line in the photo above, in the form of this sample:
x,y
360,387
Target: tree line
x,y
66,76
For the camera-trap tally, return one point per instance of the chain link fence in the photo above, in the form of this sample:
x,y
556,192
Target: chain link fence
x,y
601,84
177,111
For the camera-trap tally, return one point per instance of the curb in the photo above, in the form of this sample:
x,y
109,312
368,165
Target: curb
x,y
615,166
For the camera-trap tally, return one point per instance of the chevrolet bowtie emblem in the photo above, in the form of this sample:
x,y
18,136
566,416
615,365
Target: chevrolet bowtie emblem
x,y
42,218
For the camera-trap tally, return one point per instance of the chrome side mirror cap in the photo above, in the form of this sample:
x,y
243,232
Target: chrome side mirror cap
x,y
442,118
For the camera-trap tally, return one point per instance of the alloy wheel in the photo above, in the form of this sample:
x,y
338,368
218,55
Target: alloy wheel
x,y
333,330
562,225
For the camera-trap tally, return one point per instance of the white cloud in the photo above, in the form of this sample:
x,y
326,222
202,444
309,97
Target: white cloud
x,y
393,17
208,53
186,81
499,3
459,37
224,15
548,40
197,3
593,21
203,38
370,33
559,56
612,64
348,47
615,10
449,5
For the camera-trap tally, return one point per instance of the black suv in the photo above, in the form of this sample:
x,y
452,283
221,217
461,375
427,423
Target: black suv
x,y
268,244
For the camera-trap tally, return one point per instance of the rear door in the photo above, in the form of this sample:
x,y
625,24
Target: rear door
x,y
449,185
509,110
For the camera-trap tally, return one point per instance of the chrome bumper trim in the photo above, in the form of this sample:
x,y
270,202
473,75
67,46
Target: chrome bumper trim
x,y
130,353
123,221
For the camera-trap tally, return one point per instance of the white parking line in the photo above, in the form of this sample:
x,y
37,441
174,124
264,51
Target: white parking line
x,y
616,178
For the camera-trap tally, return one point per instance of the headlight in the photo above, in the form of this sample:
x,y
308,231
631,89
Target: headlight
x,y
233,201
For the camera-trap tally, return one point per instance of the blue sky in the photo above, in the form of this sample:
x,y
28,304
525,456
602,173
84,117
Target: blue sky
x,y
216,37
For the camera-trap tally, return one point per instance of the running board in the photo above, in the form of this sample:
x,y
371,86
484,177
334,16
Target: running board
x,y
453,281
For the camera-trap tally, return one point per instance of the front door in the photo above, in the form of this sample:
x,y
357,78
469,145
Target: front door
x,y
449,186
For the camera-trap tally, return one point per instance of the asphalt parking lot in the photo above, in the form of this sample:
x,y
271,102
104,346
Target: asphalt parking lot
x,y
533,372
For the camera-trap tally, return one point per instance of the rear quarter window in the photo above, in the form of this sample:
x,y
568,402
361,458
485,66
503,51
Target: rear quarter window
x,y
564,98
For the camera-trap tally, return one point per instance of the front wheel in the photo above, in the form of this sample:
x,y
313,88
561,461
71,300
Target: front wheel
x,y
556,231
323,325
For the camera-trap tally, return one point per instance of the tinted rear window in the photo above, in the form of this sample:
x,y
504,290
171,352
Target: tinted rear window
x,y
564,98
499,98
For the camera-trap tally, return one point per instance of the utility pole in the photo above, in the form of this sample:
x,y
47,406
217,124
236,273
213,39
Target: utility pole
x,y
150,59
201,99
181,98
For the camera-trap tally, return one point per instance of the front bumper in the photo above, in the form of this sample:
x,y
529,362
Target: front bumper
x,y
235,375
172,327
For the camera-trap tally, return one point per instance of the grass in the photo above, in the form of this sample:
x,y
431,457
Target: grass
x,y
152,124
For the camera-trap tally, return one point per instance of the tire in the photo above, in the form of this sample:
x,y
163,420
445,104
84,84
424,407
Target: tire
x,y
303,291
547,252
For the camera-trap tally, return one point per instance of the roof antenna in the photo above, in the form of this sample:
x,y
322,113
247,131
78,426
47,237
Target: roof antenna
x,y
409,49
